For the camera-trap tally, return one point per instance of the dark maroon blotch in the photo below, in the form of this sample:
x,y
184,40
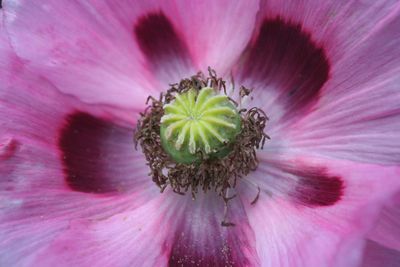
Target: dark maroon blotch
x,y
200,240
286,59
317,188
90,153
158,39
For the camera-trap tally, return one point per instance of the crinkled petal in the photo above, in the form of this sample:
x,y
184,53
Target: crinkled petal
x,y
94,147
134,238
376,255
286,69
115,52
201,240
163,47
29,222
87,53
305,222
61,160
206,33
72,204
339,26
171,230
217,31
358,114
306,57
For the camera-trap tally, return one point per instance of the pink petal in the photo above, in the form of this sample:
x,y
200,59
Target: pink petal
x,y
214,32
8,59
294,43
86,153
92,144
171,230
339,26
136,238
29,222
357,116
166,52
43,138
298,228
376,255
102,52
286,68
99,156
88,53
387,230
200,240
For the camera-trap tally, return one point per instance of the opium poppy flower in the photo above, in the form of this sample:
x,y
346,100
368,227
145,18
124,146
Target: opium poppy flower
x,y
270,138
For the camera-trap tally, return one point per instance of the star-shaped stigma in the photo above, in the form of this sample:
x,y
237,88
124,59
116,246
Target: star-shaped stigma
x,y
198,121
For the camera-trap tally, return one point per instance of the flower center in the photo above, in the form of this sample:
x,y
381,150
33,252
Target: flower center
x,y
198,125
195,138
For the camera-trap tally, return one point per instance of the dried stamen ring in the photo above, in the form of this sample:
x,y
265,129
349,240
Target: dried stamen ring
x,y
194,136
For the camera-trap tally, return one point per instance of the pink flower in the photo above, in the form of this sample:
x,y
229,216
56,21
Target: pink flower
x,y
74,76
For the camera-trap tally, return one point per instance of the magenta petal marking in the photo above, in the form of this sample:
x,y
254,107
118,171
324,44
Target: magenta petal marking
x,y
284,57
160,42
317,188
8,148
92,151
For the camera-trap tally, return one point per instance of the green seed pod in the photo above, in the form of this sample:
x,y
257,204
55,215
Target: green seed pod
x,y
199,125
